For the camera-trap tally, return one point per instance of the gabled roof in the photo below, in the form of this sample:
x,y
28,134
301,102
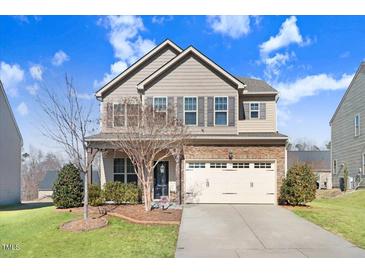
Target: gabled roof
x,y
360,69
191,50
138,63
256,85
2,90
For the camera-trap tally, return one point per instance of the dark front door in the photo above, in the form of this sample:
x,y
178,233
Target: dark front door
x,y
161,180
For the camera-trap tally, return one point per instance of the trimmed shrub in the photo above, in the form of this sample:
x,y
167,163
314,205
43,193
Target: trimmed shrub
x,y
96,196
68,190
299,186
122,193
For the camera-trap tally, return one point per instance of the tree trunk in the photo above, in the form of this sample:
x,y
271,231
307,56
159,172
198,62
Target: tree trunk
x,y
178,177
147,191
86,198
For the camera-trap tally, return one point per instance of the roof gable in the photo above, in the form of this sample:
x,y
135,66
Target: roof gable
x,y
195,53
137,64
2,90
361,69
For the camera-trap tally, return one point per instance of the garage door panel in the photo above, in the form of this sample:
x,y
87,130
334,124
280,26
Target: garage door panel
x,y
230,185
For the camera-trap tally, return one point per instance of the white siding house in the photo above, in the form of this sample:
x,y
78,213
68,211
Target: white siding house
x,y
10,153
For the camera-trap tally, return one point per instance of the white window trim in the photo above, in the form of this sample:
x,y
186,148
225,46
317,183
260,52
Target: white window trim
x,y
196,110
153,104
226,111
357,133
258,110
115,103
334,167
363,164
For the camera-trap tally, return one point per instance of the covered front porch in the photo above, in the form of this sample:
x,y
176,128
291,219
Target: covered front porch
x,y
114,165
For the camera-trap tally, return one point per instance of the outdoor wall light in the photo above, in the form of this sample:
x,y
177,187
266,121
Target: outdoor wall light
x,y
230,155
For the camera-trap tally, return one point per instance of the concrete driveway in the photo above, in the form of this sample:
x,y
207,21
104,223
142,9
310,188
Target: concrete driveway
x,y
255,231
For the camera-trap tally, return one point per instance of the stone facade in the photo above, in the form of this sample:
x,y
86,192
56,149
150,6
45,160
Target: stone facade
x,y
241,152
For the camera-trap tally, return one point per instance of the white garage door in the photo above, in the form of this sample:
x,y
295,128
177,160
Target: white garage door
x,y
236,182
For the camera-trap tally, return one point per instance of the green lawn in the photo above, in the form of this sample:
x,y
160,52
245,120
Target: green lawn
x,y
36,232
343,215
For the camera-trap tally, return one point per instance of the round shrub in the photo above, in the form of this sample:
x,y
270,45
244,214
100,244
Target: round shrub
x,y
96,196
122,193
68,190
299,186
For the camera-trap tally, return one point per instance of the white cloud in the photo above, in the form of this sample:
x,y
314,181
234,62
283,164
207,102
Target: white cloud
x,y
11,76
127,42
292,92
22,109
86,96
33,89
345,54
289,33
274,64
160,20
36,71
233,26
59,58
283,116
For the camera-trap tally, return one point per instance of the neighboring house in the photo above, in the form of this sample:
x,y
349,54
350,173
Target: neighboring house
x,y
10,153
348,131
319,161
45,188
236,154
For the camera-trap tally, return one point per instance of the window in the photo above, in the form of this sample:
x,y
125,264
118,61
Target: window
x,y
254,110
124,171
220,111
132,114
335,166
262,165
190,110
119,115
357,124
196,165
241,165
160,108
218,165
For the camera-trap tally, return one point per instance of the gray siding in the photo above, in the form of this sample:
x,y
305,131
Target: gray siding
x,y
10,154
346,148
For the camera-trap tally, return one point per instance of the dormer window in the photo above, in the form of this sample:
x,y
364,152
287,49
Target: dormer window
x,y
357,124
254,111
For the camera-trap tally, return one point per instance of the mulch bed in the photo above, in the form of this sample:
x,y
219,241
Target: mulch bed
x,y
134,214
81,225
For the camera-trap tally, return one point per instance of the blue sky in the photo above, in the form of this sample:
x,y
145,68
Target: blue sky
x,y
309,59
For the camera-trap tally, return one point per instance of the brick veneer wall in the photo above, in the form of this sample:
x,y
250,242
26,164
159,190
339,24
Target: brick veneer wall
x,y
276,152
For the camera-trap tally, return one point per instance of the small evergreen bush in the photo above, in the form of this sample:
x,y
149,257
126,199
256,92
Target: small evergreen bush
x,y
96,196
68,190
299,186
122,193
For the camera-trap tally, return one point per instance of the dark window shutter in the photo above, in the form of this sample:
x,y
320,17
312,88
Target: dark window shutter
x,y
109,115
231,111
246,109
241,112
262,111
201,111
171,107
180,111
210,111
149,100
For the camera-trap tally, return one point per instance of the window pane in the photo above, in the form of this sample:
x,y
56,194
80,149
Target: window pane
x,y
132,178
221,118
118,109
160,117
254,114
160,103
190,118
118,121
130,167
221,103
119,178
190,103
254,106
118,165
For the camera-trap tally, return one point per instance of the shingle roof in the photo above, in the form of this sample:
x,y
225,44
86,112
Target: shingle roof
x,y
256,85
318,160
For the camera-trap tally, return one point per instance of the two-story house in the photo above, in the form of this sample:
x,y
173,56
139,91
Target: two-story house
x,y
11,143
235,154
348,131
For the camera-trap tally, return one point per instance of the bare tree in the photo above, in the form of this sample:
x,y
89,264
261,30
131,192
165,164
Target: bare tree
x,y
69,123
148,137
